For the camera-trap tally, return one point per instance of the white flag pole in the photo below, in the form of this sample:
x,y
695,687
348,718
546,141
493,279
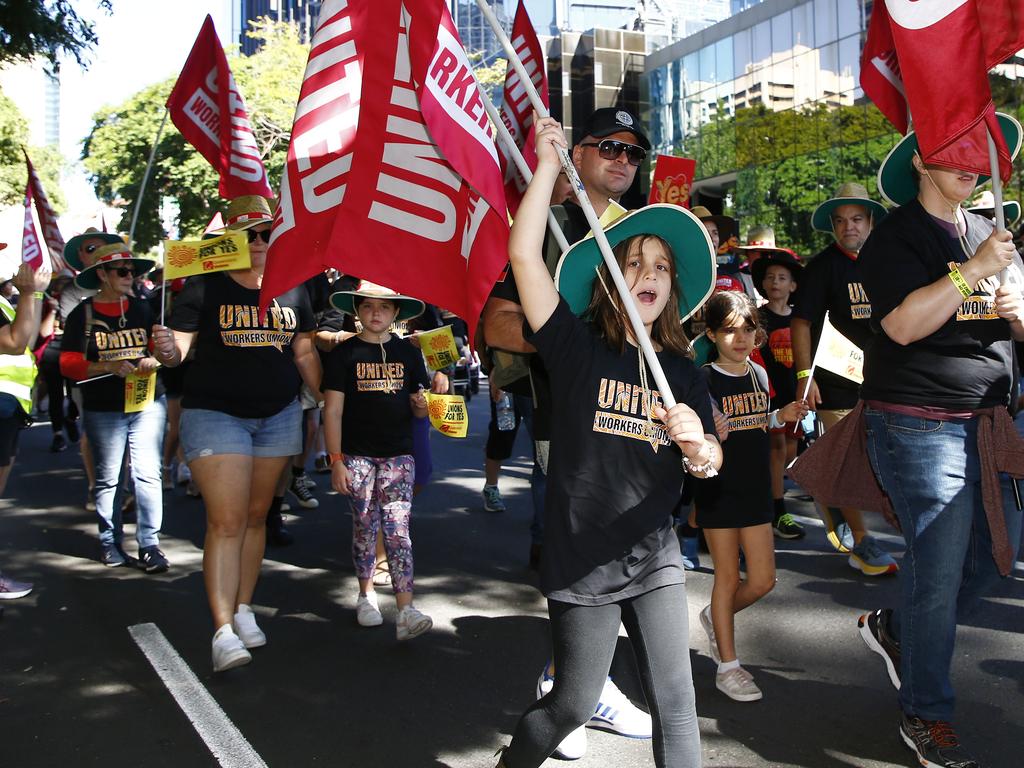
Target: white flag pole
x,y
997,190
520,161
145,178
639,332
814,364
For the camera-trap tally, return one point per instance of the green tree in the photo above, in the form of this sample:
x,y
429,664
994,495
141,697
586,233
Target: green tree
x,y
13,172
48,28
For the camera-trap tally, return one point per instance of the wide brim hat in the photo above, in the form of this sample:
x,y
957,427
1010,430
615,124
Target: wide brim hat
x,y
691,247
895,181
115,254
246,212
408,307
71,246
850,193
783,258
761,238
727,225
985,206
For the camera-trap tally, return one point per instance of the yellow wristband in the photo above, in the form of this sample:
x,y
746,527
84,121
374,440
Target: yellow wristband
x,y
960,283
37,295
804,374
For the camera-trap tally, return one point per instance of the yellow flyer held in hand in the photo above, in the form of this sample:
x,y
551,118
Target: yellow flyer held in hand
x,y
439,347
138,391
448,414
184,258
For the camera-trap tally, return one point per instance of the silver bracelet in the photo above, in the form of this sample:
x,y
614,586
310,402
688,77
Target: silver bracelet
x,y
707,468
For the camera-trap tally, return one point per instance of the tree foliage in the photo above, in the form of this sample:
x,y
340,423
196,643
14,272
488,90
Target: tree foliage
x,y
47,28
48,162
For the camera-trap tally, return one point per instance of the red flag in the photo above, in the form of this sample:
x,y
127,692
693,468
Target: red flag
x,y
210,112
392,173
31,251
880,70
962,40
516,110
47,220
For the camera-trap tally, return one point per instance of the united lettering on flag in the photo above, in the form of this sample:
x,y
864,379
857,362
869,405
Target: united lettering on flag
x,y
516,110
391,174
209,110
47,219
910,41
31,250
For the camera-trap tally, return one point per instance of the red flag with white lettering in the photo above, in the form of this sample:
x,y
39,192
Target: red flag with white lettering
x,y
31,250
963,40
392,174
47,219
210,112
880,70
516,110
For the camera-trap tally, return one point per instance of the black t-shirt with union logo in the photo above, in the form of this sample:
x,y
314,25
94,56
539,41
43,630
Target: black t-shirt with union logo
x,y
610,496
377,419
243,366
832,282
777,353
106,341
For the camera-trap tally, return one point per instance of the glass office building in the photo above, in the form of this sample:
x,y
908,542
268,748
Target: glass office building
x,y
769,103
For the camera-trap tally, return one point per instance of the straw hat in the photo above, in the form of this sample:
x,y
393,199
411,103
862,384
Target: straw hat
x,y
115,254
408,307
850,193
247,211
71,257
690,243
985,206
895,180
726,224
761,238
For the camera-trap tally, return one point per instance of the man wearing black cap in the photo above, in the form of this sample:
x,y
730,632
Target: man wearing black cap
x,y
611,149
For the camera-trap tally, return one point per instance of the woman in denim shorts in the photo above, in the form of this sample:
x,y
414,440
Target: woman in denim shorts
x,y
241,419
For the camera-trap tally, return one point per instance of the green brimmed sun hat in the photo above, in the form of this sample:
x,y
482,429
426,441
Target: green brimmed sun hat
x,y
71,255
985,206
895,181
408,307
113,255
690,243
850,193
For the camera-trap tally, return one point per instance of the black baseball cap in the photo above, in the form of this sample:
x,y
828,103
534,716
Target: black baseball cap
x,y
608,120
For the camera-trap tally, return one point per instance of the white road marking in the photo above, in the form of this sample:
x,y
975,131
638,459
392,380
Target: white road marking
x,y
223,739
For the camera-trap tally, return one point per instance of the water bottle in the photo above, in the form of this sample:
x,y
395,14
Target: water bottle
x,y
506,415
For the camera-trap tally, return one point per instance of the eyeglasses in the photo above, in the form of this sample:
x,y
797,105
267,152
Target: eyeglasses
x,y
264,235
609,149
122,271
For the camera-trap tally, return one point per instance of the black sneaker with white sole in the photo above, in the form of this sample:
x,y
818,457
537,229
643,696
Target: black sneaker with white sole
x,y
935,743
874,630
152,560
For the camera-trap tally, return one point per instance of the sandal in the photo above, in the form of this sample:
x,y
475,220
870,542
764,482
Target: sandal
x,y
382,574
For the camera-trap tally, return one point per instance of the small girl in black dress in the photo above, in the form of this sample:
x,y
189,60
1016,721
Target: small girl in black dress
x,y
735,508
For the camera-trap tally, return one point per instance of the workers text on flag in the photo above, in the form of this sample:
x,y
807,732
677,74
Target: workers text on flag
x,y
47,219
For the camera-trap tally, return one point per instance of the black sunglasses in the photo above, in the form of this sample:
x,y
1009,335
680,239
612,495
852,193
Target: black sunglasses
x,y
609,149
122,271
264,235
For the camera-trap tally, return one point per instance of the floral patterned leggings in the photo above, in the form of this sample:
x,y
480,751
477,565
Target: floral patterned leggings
x,y
382,495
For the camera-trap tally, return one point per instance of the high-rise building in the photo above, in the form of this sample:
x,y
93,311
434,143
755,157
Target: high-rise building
x,y
475,33
300,12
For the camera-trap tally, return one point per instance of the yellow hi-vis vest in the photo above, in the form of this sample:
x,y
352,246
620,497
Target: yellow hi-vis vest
x,y
17,372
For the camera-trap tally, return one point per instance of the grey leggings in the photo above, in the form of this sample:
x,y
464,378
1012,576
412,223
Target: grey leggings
x,y
584,640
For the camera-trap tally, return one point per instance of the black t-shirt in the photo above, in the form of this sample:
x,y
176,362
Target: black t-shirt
x,y
244,365
777,354
607,514
831,283
741,494
105,341
968,362
377,420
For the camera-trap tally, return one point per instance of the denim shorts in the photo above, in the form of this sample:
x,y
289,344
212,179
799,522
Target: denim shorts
x,y
213,433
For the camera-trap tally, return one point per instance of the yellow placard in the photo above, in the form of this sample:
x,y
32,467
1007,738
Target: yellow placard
x,y
448,414
138,391
184,258
439,347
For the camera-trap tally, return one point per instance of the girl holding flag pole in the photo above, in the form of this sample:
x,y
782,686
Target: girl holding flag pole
x,y
610,554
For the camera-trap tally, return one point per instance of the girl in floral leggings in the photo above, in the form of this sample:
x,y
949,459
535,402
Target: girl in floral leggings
x,y
373,388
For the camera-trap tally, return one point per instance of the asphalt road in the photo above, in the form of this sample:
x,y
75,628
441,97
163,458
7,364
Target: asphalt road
x,y
77,690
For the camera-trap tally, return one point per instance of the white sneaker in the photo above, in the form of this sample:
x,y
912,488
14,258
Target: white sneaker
x,y
412,623
367,611
245,627
184,473
573,746
738,685
228,651
709,628
618,714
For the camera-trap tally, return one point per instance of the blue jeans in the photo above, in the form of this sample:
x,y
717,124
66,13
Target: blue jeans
x,y
931,471
110,432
